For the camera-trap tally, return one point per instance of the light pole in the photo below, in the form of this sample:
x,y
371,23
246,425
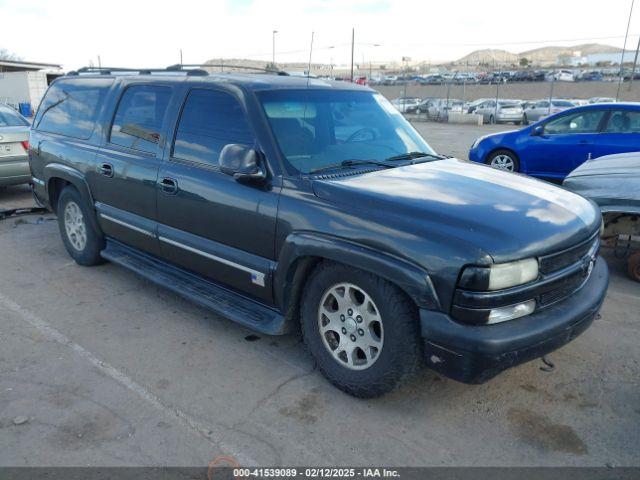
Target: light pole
x,y
624,48
273,43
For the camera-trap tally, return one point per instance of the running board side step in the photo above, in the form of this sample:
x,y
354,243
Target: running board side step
x,y
210,295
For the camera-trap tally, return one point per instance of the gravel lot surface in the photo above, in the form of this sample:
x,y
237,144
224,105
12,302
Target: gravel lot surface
x,y
111,370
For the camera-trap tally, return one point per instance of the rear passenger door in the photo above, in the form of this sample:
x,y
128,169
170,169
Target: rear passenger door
x,y
621,134
124,179
208,222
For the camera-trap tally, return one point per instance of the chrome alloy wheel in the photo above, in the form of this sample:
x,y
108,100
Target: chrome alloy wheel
x,y
74,226
350,326
503,162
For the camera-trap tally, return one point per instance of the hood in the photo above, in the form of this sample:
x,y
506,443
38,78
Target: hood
x,y
612,181
619,164
508,216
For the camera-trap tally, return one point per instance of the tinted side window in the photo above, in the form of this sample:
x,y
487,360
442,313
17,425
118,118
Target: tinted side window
x,y
583,122
138,119
209,121
623,121
71,107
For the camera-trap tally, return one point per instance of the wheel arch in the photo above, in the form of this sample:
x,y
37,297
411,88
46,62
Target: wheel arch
x,y
57,177
302,252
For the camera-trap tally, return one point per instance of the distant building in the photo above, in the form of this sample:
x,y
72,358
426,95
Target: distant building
x,y
593,59
25,82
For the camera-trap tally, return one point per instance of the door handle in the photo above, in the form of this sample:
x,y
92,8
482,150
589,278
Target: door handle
x,y
169,185
105,169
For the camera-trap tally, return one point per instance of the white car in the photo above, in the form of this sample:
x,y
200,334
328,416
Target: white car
x,y
601,100
440,108
405,103
562,76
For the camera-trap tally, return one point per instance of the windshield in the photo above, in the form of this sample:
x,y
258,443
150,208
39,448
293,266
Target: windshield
x,y
10,119
318,128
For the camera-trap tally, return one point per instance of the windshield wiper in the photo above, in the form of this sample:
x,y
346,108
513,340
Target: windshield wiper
x,y
351,163
413,155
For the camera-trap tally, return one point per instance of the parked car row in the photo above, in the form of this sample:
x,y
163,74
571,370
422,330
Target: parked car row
x,y
492,111
507,76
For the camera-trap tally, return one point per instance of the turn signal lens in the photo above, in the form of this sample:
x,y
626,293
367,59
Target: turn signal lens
x,y
25,145
502,314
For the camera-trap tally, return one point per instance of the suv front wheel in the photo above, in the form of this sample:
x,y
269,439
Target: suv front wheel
x,y
82,242
361,330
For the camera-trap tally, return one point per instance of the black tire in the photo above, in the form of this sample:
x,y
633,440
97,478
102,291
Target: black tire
x,y
400,355
84,253
509,153
517,123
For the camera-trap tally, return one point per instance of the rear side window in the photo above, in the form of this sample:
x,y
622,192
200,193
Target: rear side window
x,y
71,107
138,119
210,120
623,121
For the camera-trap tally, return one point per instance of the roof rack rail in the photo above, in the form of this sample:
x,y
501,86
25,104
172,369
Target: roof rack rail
x,y
140,71
183,66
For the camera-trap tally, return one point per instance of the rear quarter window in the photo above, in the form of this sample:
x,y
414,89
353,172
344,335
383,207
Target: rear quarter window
x,y
71,107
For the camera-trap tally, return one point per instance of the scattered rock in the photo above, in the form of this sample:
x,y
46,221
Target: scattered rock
x,y
20,420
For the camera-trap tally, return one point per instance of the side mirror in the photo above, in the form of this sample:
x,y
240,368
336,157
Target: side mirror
x,y
537,131
242,163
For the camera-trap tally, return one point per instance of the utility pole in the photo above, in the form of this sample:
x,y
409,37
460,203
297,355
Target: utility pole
x,y
273,45
353,38
99,63
180,56
310,52
624,47
553,81
635,62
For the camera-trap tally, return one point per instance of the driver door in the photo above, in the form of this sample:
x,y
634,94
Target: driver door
x,y
208,222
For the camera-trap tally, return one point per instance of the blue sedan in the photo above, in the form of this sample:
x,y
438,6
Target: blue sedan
x,y
554,146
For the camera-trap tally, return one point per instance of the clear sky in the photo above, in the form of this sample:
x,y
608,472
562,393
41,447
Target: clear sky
x,y
151,33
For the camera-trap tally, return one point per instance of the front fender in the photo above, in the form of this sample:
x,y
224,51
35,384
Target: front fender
x,y
412,279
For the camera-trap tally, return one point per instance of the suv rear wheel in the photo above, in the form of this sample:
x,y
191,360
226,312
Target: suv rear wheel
x,y
82,242
361,330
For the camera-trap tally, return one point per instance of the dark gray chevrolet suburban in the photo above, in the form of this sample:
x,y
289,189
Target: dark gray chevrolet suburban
x,y
294,204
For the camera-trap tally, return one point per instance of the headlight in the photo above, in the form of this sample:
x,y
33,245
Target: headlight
x,y
478,140
500,275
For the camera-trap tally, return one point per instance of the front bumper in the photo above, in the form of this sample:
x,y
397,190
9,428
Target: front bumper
x,y
475,354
